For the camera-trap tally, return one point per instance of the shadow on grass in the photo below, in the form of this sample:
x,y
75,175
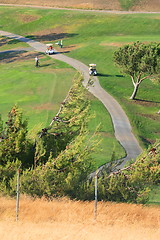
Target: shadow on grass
x,y
119,76
108,75
10,56
51,36
63,51
4,41
13,41
146,142
45,65
145,101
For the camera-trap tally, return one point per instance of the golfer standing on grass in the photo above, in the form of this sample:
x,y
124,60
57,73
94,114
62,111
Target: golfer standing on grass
x,y
37,61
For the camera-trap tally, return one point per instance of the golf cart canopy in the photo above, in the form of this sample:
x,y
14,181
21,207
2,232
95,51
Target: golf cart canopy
x,y
92,65
49,44
50,49
92,69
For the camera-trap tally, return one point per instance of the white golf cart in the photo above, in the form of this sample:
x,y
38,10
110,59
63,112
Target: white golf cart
x,y
50,49
92,69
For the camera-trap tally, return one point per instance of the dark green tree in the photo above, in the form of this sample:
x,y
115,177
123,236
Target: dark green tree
x,y
66,125
140,61
14,143
64,175
63,159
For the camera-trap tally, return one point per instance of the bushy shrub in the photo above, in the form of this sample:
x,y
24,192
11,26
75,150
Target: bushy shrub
x,y
133,183
8,175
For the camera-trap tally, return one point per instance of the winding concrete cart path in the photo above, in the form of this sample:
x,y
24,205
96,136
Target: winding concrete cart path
x,y
121,124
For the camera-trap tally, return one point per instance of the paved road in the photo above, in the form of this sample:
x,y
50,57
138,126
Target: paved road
x,y
121,124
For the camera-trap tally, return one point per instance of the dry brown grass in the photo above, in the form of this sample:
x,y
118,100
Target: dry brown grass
x,y
143,5
74,220
148,5
95,4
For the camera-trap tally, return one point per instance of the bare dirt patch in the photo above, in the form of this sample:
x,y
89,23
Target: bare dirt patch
x,y
44,106
50,34
120,44
113,44
89,4
68,48
146,103
25,18
155,117
55,35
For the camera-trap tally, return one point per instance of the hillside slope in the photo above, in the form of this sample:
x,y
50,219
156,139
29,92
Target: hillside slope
x,y
142,5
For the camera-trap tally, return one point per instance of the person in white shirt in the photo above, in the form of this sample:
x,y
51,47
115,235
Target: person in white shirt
x,y
37,61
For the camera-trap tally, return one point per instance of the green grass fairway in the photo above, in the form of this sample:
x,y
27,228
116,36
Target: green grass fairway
x,y
108,145
38,91
97,43
155,196
92,37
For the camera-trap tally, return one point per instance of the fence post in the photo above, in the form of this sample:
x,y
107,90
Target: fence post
x,y
96,195
18,193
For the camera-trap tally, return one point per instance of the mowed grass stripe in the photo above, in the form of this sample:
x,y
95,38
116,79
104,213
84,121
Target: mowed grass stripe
x,y
37,91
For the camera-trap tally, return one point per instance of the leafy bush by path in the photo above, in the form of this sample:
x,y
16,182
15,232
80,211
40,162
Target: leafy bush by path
x,y
65,171
127,4
134,183
8,176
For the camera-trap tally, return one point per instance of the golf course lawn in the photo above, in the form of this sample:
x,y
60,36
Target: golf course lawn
x,y
38,91
92,38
